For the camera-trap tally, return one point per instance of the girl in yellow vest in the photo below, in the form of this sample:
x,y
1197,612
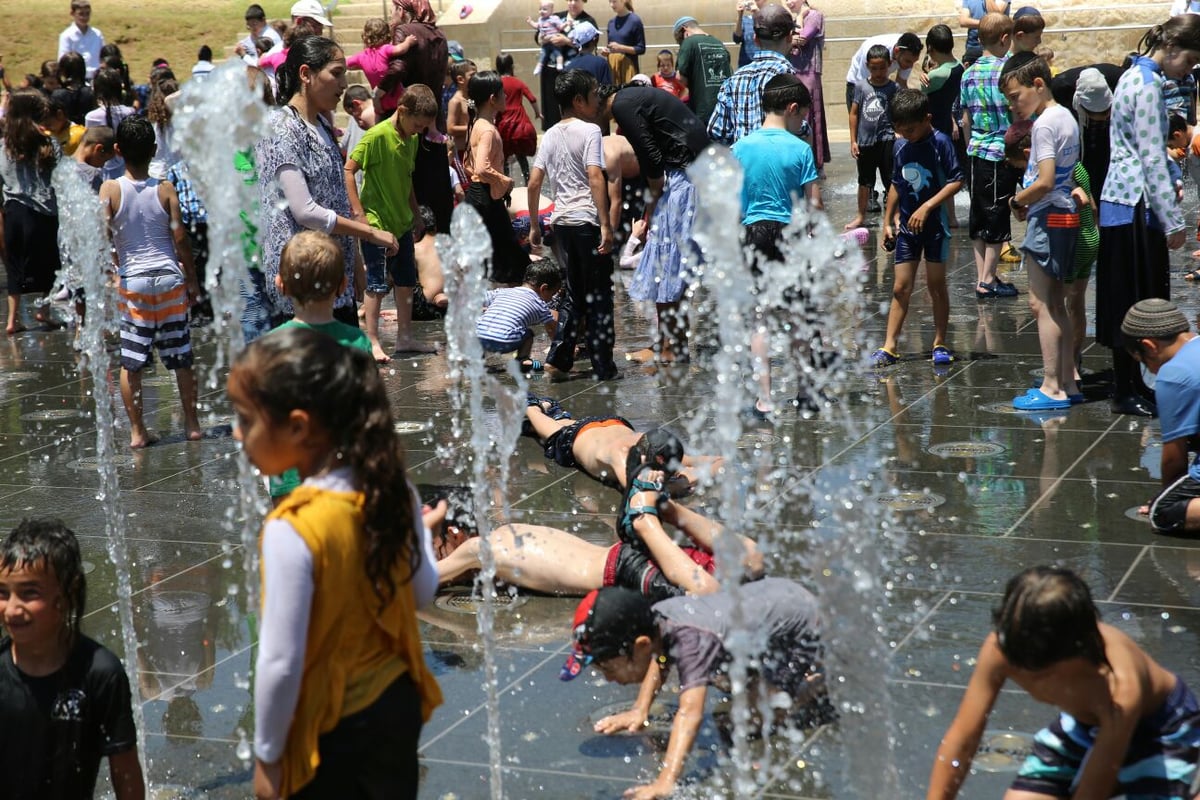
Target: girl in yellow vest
x,y
341,687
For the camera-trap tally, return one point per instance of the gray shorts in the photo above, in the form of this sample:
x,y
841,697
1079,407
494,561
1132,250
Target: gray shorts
x,y
1050,241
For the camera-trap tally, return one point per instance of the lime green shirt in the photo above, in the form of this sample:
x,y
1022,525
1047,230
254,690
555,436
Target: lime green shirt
x,y
387,162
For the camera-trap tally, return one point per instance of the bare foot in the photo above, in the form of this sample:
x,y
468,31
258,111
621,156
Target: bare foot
x,y
441,300
641,356
413,346
380,356
144,439
13,329
857,222
195,434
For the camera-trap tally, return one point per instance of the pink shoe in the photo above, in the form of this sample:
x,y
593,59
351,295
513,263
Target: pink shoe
x,y
858,236
465,11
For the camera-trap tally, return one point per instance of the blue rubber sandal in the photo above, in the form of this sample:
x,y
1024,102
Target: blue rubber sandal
x,y
1036,400
942,356
884,358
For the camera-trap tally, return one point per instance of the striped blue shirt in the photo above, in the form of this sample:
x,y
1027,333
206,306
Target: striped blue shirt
x,y
509,313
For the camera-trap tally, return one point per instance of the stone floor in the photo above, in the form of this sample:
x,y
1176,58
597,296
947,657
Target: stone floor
x,y
1032,490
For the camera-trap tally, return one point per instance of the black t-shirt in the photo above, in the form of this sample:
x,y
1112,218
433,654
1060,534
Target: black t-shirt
x,y
55,729
663,132
1062,85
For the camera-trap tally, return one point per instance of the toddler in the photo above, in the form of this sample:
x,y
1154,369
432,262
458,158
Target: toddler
x,y
510,314
548,24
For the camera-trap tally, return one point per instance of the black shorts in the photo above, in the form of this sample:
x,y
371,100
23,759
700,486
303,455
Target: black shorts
x,y
876,158
992,186
632,568
762,241
31,243
560,445
1168,511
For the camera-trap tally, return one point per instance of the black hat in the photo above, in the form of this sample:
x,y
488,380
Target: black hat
x,y
606,623
773,22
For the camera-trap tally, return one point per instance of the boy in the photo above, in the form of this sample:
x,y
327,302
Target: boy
x,y
510,314
629,640
357,103
80,37
943,87
65,701
1127,726
1027,29
926,175
93,152
1158,335
991,182
571,156
667,77
1053,224
386,154
778,170
871,133
157,277
457,116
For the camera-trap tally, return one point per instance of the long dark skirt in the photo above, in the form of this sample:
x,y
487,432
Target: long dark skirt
x,y
550,114
431,180
1133,264
508,259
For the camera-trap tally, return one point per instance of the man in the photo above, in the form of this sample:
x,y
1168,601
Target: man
x,y
739,103
80,38
256,23
1157,334
310,14
702,66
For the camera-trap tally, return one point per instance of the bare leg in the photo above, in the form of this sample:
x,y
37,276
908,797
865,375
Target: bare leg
x,y
1046,299
186,379
14,315
405,343
371,305
935,276
543,424
901,295
760,348
863,192
131,395
986,269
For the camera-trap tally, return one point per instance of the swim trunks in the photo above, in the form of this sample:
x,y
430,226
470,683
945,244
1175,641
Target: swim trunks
x,y
631,568
560,445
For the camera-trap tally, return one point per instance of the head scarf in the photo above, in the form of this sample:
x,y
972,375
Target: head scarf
x,y
419,9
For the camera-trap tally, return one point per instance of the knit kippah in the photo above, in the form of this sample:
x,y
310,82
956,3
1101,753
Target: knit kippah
x,y
1154,319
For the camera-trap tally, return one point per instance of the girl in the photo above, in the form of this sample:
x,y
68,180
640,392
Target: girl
x,y
516,129
626,41
300,171
159,113
72,76
110,91
30,216
110,56
341,687
489,184
373,60
1140,218
666,78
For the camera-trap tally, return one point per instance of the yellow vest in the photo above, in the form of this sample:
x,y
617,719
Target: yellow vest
x,y
354,651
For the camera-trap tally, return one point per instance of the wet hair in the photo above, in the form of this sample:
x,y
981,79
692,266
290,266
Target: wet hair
x,y
355,94
313,52
375,32
1024,68
606,90
543,271
459,69
343,392
504,63
878,52
418,101
1182,31
908,107
1018,139
570,84
657,448
783,90
23,136
1047,616
311,267
135,138
157,110
482,87
940,38
1029,23
72,70
50,546
255,13
993,27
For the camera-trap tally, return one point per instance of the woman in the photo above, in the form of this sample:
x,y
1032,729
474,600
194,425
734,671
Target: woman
x,y
808,47
743,30
575,14
626,41
1140,216
300,169
516,129
424,61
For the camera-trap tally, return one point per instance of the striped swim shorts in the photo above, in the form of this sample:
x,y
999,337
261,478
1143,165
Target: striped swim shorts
x,y
154,311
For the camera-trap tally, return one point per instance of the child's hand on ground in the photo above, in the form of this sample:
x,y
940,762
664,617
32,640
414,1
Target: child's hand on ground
x,y
630,721
657,789
916,220
854,149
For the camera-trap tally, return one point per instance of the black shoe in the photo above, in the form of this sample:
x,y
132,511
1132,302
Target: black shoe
x,y
1134,404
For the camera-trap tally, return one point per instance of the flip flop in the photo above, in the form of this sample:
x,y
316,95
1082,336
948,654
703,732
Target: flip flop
x,y
531,365
884,358
1037,400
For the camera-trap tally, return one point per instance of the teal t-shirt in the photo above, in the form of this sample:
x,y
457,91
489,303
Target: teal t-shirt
x,y
387,161
776,167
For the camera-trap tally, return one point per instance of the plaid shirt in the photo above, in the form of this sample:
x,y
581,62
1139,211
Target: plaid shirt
x,y
739,103
981,97
191,209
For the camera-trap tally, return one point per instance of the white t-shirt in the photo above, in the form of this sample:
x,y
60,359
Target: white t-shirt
x,y
858,64
87,44
1055,136
567,150
251,56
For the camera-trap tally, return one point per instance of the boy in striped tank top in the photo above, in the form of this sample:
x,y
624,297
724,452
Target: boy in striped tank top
x,y
157,277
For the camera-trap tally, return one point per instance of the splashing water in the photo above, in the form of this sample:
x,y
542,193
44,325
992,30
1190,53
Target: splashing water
x,y
465,256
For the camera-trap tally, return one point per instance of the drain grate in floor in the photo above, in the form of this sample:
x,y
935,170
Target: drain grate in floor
x,y
965,449
910,501
466,602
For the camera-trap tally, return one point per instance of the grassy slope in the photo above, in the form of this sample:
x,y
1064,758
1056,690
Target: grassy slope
x,y
144,30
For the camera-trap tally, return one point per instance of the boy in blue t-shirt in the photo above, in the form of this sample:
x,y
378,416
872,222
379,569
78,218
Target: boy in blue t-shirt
x,y
871,129
925,176
778,169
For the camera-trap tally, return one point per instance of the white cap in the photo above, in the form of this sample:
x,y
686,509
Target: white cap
x,y
311,9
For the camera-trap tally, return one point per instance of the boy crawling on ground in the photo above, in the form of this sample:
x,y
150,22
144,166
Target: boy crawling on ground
x,y
630,640
1126,725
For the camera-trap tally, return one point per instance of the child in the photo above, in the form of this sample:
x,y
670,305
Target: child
x,y
458,117
64,699
1127,726
516,129
926,175
667,79
81,38
58,122
943,87
871,133
985,119
157,277
1027,29
341,688
778,170
94,151
357,103
373,59
630,640
1053,224
548,24
1046,54
386,155
110,88
572,158
510,314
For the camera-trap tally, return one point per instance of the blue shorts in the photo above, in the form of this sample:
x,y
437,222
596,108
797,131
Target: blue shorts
x,y
500,346
933,243
1050,238
401,268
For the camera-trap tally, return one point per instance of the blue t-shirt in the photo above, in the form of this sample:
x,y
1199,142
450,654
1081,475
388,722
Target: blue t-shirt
x,y
921,169
776,167
874,116
977,8
1055,137
1177,390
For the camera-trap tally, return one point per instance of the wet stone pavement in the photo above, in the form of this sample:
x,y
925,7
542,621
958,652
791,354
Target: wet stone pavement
x,y
976,492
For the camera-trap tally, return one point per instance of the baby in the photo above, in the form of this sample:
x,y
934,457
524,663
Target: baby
x,y
547,25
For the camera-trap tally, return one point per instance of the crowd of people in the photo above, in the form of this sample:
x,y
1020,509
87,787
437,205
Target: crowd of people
x,y
346,218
